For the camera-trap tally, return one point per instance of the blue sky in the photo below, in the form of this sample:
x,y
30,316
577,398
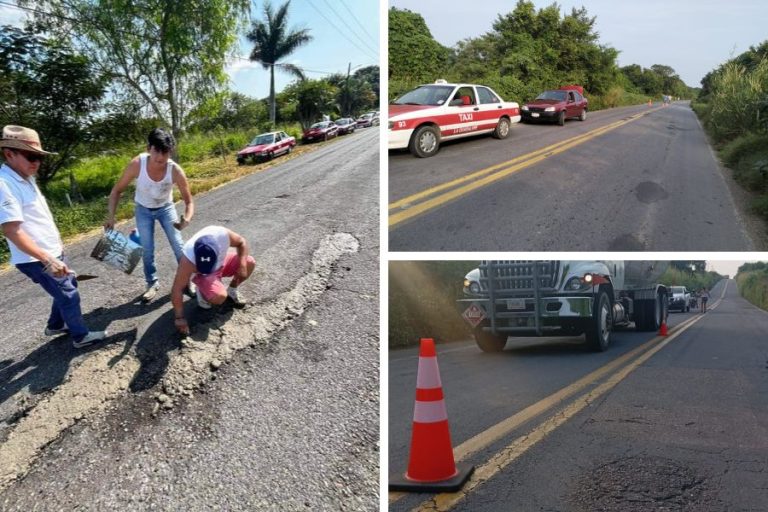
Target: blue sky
x,y
691,36
343,31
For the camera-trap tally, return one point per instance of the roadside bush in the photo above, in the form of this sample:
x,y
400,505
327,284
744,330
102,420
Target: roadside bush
x,y
738,101
692,280
748,144
753,286
422,301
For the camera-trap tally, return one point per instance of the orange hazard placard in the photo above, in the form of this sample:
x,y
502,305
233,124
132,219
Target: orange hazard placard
x,y
474,315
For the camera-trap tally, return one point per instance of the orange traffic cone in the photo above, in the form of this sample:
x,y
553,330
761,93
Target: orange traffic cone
x,y
431,467
663,329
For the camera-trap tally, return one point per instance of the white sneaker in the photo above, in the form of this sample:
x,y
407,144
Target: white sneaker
x,y
90,338
151,291
56,332
201,300
232,294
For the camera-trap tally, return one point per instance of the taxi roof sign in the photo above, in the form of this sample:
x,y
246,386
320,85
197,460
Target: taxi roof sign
x,y
441,81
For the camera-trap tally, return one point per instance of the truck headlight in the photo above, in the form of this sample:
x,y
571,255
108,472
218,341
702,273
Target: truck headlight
x,y
549,109
525,107
575,284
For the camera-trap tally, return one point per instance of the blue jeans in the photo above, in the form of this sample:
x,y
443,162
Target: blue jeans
x,y
145,223
66,299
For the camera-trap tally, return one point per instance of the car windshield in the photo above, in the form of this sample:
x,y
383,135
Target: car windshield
x,y
323,124
343,121
264,138
426,95
365,116
552,95
678,289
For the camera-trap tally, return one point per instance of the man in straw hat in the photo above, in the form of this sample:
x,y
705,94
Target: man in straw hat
x,y
32,235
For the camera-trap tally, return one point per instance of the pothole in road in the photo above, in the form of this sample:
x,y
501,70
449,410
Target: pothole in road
x,y
650,192
635,484
107,374
626,242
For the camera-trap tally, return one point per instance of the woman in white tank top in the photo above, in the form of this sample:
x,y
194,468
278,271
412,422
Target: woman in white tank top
x,y
155,174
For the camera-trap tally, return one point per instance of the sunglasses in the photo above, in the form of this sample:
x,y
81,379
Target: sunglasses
x,y
31,157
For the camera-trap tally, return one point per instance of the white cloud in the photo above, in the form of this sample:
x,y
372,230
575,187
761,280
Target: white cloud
x,y
11,16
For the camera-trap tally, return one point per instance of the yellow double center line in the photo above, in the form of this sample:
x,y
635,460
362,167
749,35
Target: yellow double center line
x,y
615,371
421,202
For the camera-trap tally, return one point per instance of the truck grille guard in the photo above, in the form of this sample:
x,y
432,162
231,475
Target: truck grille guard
x,y
505,279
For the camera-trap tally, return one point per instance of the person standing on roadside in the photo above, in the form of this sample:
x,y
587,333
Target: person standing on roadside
x,y
207,258
155,174
33,238
704,295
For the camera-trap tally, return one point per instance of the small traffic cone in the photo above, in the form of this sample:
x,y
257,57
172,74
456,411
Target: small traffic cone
x,y
663,330
431,466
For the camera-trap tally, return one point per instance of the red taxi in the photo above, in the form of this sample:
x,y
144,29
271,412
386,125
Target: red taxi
x,y
266,146
424,117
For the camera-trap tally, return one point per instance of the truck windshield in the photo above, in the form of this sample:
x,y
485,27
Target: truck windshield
x,y
678,289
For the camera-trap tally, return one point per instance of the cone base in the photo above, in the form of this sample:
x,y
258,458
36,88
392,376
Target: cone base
x,y
402,484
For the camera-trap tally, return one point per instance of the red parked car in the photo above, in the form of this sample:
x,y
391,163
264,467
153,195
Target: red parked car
x,y
266,146
556,106
323,130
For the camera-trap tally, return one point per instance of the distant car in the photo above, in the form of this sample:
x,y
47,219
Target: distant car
x,y
423,118
346,125
679,298
323,130
365,120
266,146
557,106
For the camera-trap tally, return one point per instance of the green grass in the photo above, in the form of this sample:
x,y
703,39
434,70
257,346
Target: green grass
x,y
753,286
697,281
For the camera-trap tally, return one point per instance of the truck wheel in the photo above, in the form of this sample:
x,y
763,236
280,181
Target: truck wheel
x,y
489,342
583,116
502,129
424,142
649,314
598,331
561,118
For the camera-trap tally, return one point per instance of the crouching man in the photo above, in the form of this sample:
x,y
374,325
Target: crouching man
x,y
207,256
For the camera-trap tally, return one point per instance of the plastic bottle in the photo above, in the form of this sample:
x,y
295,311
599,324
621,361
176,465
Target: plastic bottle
x,y
134,236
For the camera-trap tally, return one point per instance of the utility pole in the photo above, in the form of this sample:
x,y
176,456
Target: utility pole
x,y
346,96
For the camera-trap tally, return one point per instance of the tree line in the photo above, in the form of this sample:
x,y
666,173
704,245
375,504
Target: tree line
x,y
526,51
95,75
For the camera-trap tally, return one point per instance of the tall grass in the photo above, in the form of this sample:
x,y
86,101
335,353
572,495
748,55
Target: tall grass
x,y
753,286
739,101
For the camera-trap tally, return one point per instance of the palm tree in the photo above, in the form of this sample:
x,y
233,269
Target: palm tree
x,y
273,41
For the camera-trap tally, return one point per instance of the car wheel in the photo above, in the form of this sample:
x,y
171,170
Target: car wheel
x,y
240,161
502,129
489,342
424,142
561,118
325,136
270,156
598,332
583,116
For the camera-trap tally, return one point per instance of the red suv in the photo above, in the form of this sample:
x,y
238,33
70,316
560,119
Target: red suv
x,y
557,105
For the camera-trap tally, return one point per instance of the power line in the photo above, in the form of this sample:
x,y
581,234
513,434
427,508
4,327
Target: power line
x,y
353,32
373,39
340,31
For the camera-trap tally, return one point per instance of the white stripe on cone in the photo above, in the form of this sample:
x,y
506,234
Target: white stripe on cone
x,y
428,376
429,412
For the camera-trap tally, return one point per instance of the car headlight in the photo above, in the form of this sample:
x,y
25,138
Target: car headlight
x,y
576,284
525,107
549,109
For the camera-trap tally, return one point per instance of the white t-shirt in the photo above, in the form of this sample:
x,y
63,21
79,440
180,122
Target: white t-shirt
x,y
21,201
220,236
151,193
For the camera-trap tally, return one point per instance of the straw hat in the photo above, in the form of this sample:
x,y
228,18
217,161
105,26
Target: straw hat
x,y
25,139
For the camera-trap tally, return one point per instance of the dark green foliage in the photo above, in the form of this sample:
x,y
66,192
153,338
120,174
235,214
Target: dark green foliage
x,y
47,86
422,301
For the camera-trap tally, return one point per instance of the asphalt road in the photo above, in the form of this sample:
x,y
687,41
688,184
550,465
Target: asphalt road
x,y
630,179
684,428
273,407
